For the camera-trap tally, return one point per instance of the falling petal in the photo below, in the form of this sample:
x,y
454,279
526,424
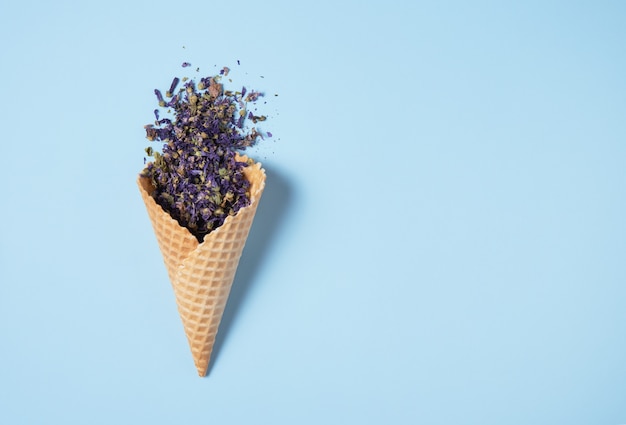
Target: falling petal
x,y
159,97
170,92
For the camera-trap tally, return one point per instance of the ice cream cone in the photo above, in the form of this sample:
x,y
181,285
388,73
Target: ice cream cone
x,y
202,273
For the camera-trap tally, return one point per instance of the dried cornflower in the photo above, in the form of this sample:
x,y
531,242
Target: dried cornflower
x,y
197,178
170,92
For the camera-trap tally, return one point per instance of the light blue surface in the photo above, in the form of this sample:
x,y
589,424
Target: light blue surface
x,y
442,239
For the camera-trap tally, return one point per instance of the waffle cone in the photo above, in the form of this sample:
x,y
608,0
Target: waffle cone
x,y
202,273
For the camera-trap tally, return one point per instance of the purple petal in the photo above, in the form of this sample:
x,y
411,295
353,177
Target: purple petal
x,y
159,97
173,86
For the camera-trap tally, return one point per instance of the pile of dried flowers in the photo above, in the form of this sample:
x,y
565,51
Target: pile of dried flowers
x,y
198,178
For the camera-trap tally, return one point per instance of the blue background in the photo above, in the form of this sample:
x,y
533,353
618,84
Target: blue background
x,y
442,238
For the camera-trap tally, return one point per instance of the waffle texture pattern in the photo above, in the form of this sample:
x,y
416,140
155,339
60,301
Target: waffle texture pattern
x,y
202,273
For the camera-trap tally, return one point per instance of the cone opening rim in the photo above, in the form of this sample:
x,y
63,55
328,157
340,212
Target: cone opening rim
x,y
255,189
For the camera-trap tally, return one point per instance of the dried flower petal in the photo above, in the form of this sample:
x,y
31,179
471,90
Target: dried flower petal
x,y
197,179
172,87
159,97
253,96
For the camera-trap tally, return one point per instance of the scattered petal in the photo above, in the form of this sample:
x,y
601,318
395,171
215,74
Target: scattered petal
x,y
172,87
159,97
